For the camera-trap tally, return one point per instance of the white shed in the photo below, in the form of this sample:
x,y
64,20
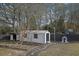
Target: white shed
x,y
38,36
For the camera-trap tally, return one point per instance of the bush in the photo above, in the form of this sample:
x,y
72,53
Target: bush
x,y
5,29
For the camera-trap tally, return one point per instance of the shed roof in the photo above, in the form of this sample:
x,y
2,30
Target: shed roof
x,y
37,31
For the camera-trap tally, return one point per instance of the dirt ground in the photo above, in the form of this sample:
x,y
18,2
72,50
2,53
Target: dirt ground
x,y
13,49
60,49
14,52
9,52
53,49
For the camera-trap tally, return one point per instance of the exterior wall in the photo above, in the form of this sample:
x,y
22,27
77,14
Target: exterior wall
x,y
17,37
40,39
11,37
49,38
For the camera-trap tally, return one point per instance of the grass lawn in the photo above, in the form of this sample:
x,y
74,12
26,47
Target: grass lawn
x,y
59,49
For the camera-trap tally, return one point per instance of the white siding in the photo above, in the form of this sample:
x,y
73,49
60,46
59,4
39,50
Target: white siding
x,y
40,39
41,36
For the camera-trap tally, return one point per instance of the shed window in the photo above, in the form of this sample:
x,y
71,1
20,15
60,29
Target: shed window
x,y
35,35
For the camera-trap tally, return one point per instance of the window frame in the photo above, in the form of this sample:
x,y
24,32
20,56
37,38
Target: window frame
x,y
35,36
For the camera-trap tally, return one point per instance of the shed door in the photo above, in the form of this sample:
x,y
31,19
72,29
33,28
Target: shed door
x,y
14,36
47,37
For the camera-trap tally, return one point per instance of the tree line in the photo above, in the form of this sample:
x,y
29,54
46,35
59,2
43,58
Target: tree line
x,y
26,16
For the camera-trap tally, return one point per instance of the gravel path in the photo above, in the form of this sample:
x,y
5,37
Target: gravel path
x,y
35,51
